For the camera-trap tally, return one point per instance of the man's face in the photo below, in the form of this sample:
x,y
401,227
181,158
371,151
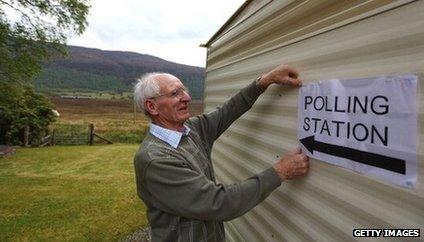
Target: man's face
x,y
171,106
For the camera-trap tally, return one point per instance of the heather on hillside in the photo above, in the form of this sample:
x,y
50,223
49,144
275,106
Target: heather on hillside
x,y
98,70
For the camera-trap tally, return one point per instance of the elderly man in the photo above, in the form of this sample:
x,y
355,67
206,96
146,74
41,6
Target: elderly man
x,y
174,172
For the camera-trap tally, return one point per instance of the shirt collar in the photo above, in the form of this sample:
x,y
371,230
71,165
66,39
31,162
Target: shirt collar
x,y
169,136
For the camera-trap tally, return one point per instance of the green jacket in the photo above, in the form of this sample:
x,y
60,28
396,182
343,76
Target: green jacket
x,y
184,202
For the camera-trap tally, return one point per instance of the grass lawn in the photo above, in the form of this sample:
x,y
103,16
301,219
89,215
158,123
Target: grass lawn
x,y
64,193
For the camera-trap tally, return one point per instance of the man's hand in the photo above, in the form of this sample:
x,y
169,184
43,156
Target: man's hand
x,y
282,74
293,165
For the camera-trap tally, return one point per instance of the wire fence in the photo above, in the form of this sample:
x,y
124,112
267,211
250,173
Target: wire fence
x,y
74,134
70,134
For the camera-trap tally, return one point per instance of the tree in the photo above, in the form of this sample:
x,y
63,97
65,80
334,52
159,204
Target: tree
x,y
31,31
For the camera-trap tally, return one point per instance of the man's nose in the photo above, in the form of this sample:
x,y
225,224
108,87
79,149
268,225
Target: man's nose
x,y
186,97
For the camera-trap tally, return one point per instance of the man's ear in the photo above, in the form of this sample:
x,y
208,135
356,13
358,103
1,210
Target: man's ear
x,y
151,107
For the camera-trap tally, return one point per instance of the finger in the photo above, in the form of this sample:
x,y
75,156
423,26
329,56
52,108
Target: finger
x,y
295,82
295,151
291,81
285,80
299,82
305,165
282,67
303,157
293,73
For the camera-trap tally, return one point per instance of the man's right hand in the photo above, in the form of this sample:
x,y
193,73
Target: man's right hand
x,y
282,74
293,165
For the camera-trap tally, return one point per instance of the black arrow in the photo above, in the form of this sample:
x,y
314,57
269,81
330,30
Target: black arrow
x,y
372,159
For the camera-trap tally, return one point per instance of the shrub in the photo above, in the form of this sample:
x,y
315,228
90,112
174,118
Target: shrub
x,y
20,106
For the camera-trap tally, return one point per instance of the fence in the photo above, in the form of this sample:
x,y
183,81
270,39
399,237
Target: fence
x,y
73,134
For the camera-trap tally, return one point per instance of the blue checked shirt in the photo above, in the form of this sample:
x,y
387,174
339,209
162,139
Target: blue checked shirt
x,y
169,136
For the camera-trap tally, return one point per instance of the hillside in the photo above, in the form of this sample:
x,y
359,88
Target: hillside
x,y
98,70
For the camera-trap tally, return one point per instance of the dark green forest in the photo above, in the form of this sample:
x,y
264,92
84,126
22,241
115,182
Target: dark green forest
x,y
66,78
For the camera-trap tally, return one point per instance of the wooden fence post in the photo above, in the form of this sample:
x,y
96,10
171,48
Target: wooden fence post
x,y
52,140
91,134
26,136
135,111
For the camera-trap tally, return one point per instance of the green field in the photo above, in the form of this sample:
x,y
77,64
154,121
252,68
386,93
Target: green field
x,y
66,193
113,119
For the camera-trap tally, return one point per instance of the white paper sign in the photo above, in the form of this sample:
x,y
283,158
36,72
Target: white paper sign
x,y
365,125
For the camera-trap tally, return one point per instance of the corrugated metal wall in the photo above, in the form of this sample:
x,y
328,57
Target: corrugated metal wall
x,y
325,40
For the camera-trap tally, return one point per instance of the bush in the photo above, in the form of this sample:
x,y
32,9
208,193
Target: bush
x,y
20,106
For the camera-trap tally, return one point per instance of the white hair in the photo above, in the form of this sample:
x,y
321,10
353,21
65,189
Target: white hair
x,y
145,88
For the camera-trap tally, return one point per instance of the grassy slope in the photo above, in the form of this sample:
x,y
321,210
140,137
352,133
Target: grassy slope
x,y
69,193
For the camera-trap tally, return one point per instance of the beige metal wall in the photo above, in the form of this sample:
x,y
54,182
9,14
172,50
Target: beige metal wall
x,y
325,40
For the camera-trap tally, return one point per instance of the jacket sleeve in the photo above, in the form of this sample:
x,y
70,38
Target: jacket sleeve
x,y
211,125
177,189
